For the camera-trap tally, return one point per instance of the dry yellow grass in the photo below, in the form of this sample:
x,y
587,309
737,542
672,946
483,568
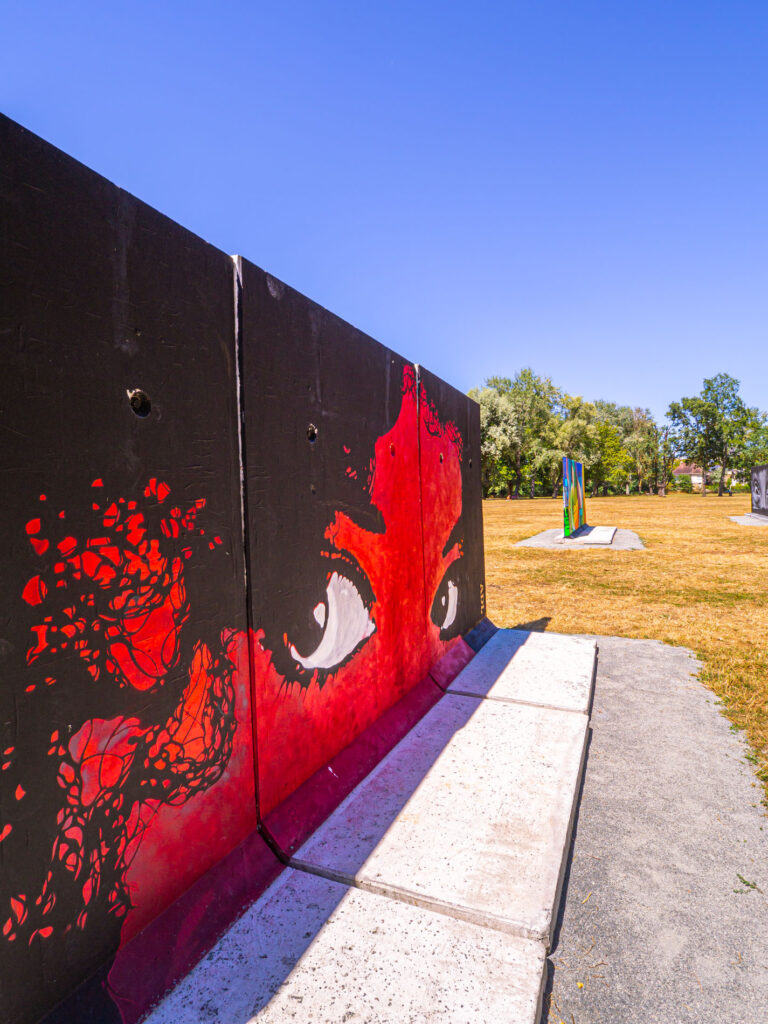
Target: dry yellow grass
x,y
700,583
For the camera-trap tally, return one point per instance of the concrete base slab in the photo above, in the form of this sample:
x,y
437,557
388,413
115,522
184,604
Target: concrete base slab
x,y
750,519
469,815
313,949
589,535
623,540
534,668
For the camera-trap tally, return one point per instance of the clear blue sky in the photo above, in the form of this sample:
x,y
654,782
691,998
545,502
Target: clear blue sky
x,y
577,186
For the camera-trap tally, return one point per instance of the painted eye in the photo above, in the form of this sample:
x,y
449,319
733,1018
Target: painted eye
x,y
449,602
346,623
445,607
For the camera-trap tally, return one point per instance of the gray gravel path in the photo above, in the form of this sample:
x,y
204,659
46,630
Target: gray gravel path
x,y
656,923
624,540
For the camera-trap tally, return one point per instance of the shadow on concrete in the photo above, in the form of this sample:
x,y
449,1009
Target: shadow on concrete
x,y
255,957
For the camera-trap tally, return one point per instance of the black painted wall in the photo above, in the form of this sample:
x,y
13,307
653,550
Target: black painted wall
x,y
100,295
128,700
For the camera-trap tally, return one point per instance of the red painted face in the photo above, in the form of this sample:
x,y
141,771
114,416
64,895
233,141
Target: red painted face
x,y
382,634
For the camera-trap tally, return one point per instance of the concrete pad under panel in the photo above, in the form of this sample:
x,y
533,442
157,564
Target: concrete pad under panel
x,y
750,519
313,949
470,814
590,535
549,669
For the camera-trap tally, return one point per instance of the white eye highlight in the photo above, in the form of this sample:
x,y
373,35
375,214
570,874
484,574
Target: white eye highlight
x,y
347,623
449,604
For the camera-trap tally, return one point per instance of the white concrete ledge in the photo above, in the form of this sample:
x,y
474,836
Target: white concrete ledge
x,y
314,950
469,815
547,669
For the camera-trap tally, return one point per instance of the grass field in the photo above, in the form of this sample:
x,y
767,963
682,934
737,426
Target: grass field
x,y
701,583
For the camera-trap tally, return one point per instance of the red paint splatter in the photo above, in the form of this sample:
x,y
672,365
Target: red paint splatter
x,y
35,591
144,615
117,600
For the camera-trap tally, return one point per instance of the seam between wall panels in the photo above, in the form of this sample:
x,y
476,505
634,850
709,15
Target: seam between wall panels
x,y
417,375
237,297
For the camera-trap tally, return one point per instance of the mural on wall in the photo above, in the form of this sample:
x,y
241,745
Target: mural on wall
x,y
133,679
574,508
759,480
126,756
358,585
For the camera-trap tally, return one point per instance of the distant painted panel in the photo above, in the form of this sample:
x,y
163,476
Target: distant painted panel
x,y
574,508
759,478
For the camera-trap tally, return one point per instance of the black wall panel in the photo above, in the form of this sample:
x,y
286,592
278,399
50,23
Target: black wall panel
x,y
445,406
101,296
334,529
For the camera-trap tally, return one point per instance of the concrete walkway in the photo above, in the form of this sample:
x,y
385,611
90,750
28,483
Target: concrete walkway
x,y
657,924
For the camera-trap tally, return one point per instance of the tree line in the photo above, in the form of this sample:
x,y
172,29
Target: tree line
x,y
528,425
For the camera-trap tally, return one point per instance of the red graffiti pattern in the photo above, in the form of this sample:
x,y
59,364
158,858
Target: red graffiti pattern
x,y
116,600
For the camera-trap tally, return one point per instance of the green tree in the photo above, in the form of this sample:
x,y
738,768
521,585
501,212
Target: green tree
x,y
613,461
500,437
641,446
735,421
570,432
695,433
624,422
663,460
514,414
755,449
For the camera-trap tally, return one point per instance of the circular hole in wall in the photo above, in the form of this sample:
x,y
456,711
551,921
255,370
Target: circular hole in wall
x,y
140,402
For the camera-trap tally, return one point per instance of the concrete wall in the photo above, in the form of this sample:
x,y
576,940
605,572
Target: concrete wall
x,y
143,735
